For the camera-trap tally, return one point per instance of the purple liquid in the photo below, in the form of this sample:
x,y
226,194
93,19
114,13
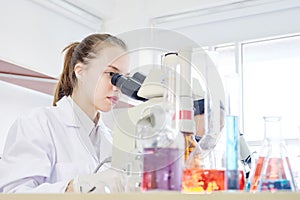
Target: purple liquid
x,y
162,169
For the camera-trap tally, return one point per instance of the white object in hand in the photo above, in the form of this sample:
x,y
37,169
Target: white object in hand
x,y
108,181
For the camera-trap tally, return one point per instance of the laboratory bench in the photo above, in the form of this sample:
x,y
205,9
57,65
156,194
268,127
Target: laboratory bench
x,y
156,196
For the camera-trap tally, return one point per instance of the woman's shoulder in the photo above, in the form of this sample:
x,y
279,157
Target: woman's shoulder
x,y
33,124
37,113
44,112
34,120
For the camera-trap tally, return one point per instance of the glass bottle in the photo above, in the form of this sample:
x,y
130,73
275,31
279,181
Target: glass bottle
x,y
273,170
233,173
162,158
163,145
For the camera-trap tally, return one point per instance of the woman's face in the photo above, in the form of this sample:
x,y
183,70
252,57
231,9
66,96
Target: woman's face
x,y
100,93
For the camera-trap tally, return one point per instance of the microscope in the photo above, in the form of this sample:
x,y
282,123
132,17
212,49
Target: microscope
x,y
149,91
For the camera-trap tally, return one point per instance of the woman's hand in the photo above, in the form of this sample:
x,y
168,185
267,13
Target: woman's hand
x,y
70,187
108,181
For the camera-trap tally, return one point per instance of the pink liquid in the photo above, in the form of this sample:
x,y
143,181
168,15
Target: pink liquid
x,y
162,169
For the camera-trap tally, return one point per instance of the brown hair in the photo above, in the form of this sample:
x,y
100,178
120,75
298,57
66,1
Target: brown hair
x,y
81,52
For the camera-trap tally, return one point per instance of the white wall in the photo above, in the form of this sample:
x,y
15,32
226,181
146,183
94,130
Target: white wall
x,y
34,36
14,101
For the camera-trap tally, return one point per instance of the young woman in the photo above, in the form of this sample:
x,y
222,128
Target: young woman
x,y
47,148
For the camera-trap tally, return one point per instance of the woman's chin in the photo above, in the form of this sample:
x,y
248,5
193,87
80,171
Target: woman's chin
x,y
107,107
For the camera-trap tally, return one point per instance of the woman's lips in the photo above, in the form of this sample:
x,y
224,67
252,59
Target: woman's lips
x,y
113,99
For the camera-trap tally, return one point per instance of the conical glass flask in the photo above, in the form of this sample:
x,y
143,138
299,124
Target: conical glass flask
x,y
273,170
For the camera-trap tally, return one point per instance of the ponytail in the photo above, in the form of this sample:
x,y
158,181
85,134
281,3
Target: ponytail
x,y
81,52
67,79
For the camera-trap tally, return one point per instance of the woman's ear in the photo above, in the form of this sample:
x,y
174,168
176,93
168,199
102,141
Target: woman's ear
x,y
78,69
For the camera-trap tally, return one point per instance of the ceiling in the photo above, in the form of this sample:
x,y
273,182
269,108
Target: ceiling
x,y
152,8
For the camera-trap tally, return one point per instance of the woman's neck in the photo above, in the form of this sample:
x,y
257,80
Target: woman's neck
x,y
86,107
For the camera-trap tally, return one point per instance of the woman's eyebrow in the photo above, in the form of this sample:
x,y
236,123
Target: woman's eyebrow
x,y
115,68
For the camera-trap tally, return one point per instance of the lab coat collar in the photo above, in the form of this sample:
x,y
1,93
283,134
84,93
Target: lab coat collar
x,y
78,119
85,121
65,107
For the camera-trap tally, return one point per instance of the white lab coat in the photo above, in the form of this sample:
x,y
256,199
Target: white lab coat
x,y
47,148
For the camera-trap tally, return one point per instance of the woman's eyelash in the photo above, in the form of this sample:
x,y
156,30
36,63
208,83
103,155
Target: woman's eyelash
x,y
110,73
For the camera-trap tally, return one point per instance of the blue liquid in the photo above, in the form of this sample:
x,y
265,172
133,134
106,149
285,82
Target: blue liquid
x,y
275,176
232,152
281,184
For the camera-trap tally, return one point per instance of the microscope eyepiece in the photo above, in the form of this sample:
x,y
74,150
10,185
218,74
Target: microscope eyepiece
x,y
129,85
117,79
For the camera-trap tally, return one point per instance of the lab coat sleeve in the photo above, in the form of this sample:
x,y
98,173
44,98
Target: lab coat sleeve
x,y
31,185
29,156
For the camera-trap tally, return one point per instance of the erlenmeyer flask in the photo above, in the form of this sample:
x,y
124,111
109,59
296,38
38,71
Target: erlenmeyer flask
x,y
273,170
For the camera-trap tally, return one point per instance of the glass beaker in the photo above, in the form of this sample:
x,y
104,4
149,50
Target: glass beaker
x,y
163,147
162,155
273,170
232,131
208,174
218,169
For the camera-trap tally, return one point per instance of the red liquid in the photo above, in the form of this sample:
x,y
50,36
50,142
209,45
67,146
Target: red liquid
x,y
206,180
162,169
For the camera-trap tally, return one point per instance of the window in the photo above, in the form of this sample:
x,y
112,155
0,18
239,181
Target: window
x,y
269,71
